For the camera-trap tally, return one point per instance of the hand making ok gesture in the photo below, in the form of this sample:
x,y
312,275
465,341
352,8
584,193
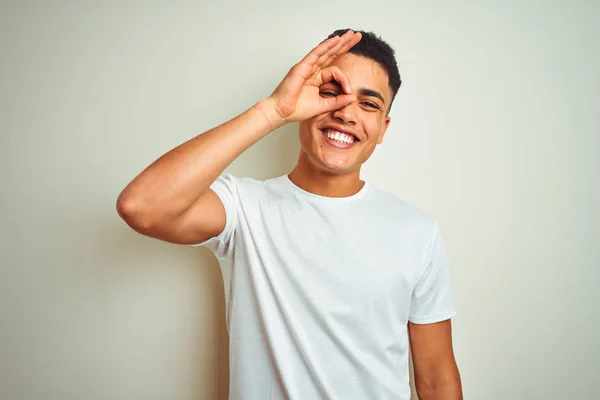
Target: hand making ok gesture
x,y
297,97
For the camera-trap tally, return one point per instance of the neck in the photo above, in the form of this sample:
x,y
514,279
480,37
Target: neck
x,y
324,183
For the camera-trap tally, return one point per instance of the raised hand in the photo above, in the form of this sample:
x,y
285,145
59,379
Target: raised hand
x,y
297,97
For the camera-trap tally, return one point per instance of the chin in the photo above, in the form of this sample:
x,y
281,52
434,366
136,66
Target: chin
x,y
334,166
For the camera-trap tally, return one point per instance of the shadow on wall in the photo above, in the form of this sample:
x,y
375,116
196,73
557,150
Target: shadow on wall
x,y
133,254
162,301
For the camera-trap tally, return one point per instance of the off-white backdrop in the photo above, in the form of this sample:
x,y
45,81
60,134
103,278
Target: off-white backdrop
x,y
495,132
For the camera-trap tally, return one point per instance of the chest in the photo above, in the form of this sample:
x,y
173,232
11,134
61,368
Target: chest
x,y
340,258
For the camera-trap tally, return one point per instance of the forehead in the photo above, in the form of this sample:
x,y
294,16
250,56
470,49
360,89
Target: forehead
x,y
364,73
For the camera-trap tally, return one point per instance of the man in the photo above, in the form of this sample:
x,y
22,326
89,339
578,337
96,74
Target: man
x,y
327,277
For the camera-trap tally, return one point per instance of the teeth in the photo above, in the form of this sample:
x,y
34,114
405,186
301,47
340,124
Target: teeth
x,y
339,136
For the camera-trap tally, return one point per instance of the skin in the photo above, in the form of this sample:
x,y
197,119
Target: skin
x,y
171,199
435,370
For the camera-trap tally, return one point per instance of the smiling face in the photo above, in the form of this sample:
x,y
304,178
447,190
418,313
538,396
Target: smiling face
x,y
340,141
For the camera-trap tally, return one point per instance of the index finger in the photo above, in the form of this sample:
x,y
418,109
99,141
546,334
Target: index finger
x,y
323,51
342,48
335,75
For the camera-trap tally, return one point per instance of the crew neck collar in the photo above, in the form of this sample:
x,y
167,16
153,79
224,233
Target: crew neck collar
x,y
305,193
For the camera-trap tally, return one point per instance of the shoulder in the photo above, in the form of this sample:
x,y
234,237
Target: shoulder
x,y
402,216
399,207
245,182
251,186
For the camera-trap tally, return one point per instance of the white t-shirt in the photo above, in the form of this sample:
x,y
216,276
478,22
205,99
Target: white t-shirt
x,y
319,290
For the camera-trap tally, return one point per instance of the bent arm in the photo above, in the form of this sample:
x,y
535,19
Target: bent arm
x,y
171,200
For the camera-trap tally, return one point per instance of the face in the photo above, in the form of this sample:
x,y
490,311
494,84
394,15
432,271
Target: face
x,y
340,141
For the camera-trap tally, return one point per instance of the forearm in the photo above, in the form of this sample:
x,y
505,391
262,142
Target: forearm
x,y
171,184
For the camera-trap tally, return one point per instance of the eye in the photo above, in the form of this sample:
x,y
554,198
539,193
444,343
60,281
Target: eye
x,y
328,93
370,104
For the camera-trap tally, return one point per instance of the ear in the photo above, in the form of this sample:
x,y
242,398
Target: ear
x,y
386,124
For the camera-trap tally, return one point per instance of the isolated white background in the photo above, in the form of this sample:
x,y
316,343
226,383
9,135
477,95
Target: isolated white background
x,y
495,132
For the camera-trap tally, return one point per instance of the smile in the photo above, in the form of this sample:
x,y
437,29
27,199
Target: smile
x,y
339,139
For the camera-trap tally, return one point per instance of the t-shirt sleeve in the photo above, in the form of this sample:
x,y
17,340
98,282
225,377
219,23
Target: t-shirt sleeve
x,y
432,297
226,189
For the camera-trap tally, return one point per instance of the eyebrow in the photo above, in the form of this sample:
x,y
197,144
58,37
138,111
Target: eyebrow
x,y
372,93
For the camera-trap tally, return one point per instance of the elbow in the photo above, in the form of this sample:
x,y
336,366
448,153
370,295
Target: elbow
x,y
442,388
125,207
424,392
132,212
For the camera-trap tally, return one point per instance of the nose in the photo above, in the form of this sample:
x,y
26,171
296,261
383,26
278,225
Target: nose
x,y
345,115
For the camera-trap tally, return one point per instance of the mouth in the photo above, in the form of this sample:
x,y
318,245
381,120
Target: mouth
x,y
338,138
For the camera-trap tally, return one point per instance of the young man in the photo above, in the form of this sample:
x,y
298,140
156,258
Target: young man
x,y
327,277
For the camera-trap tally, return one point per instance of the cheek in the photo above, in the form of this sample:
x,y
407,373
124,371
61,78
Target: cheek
x,y
305,134
374,127
308,131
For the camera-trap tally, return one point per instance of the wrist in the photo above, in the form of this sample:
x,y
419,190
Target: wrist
x,y
267,109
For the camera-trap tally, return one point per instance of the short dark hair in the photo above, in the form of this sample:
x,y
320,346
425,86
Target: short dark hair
x,y
373,47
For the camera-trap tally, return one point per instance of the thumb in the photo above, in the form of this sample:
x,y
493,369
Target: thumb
x,y
337,102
